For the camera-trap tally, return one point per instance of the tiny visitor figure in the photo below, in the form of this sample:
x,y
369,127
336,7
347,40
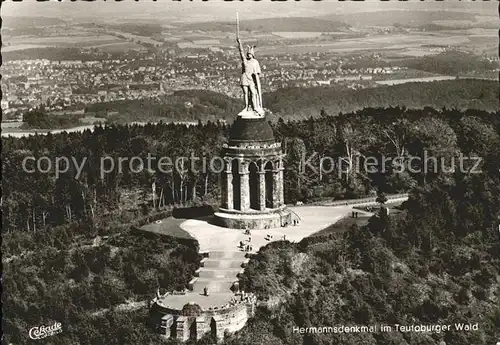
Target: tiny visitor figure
x,y
205,291
250,79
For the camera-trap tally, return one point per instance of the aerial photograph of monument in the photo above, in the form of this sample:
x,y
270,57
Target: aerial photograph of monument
x,y
250,172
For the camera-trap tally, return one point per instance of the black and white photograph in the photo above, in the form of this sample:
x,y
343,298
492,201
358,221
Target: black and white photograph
x,y
251,172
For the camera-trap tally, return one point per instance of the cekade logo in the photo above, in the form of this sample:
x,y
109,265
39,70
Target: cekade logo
x,y
41,332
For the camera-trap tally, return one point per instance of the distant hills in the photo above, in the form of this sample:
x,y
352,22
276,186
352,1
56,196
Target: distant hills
x,y
403,18
339,22
14,22
323,23
190,11
303,24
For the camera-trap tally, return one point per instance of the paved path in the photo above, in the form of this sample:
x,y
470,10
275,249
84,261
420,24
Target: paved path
x,y
215,238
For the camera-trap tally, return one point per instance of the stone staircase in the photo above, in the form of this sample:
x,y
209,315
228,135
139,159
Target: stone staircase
x,y
221,264
226,255
218,271
214,284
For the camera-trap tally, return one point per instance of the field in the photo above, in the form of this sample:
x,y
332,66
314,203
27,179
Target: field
x,y
117,47
207,43
168,226
404,43
466,23
411,44
418,52
23,47
20,133
89,120
26,42
10,125
296,40
411,80
298,34
79,36
135,38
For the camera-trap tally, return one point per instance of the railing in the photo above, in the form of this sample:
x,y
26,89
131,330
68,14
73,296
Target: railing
x,y
296,215
364,200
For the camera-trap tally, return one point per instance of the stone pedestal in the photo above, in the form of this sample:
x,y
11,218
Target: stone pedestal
x,y
253,220
236,286
251,114
257,199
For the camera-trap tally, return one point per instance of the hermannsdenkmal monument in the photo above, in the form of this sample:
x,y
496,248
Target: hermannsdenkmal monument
x,y
252,214
252,183
252,199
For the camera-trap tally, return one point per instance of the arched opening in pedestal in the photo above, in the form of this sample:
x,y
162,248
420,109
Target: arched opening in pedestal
x,y
235,170
173,330
192,330
254,186
213,329
268,168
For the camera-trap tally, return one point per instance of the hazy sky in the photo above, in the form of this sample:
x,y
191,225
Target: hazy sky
x,y
197,10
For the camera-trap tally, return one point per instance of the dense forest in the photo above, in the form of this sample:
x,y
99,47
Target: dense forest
x,y
435,263
191,105
99,291
34,200
68,250
451,62
300,103
38,118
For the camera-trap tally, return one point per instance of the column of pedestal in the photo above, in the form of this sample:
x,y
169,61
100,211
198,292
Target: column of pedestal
x,y
223,189
262,190
229,187
281,183
276,185
244,187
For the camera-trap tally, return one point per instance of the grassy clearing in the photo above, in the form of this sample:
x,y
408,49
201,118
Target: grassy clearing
x,y
169,227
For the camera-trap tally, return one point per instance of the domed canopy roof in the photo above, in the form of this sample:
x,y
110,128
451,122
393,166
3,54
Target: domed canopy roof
x,y
250,130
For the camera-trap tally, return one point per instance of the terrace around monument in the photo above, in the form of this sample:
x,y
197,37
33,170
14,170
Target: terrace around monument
x,y
224,259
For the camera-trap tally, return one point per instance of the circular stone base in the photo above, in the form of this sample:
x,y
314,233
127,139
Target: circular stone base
x,y
251,114
254,221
